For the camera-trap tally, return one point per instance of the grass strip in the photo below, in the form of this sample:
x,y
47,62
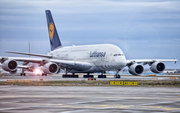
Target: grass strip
x,y
153,83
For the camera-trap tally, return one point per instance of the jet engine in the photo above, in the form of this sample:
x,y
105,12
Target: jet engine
x,y
157,67
13,72
50,68
10,65
136,69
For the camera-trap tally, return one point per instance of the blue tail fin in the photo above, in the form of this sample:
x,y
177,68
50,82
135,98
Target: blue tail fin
x,y
53,35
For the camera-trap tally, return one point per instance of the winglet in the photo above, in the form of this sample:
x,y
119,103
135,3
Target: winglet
x,y
175,60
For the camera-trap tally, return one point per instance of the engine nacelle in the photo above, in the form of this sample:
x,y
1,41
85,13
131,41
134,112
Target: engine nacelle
x,y
136,69
10,65
157,67
50,68
13,72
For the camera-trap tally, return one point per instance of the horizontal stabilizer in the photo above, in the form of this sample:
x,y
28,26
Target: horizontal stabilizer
x,y
32,54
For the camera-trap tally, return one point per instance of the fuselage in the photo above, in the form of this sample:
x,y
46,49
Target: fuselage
x,y
102,57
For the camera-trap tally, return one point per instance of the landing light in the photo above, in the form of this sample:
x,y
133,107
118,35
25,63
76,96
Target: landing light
x,y
37,71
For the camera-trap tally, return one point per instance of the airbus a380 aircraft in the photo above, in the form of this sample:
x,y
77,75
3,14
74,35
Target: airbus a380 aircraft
x,y
80,59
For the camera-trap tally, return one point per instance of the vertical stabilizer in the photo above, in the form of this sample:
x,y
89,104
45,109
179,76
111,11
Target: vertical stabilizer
x,y
53,35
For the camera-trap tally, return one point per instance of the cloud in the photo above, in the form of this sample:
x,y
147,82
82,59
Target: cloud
x,y
81,22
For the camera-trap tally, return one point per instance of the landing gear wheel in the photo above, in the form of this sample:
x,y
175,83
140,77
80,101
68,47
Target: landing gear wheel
x,y
44,74
75,76
23,74
88,76
70,76
117,76
101,76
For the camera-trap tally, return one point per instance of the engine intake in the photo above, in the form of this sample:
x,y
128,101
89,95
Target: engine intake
x,y
50,68
9,65
157,67
136,69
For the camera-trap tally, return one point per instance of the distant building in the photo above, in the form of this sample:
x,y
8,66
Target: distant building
x,y
172,71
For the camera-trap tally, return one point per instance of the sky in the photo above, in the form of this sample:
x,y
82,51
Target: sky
x,y
142,29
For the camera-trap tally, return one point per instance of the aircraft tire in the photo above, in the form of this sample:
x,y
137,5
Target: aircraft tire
x,y
101,76
64,76
23,74
117,76
75,76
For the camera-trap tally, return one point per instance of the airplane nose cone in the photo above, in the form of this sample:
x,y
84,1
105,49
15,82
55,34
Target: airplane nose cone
x,y
121,62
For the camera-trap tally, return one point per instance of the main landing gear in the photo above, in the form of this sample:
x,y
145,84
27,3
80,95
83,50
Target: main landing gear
x,y
23,74
117,74
69,76
44,74
102,76
88,76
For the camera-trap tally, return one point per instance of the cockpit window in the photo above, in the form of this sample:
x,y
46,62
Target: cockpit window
x,y
118,55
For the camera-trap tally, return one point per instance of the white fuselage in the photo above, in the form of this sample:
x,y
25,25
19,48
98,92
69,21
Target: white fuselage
x,y
102,57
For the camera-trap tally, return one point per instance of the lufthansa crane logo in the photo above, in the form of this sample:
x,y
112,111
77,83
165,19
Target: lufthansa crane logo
x,y
51,30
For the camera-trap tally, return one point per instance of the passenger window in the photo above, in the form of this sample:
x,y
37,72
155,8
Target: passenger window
x,y
118,54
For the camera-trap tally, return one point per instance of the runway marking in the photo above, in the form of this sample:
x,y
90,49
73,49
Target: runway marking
x,y
163,108
32,103
113,98
140,98
16,108
31,96
101,106
121,106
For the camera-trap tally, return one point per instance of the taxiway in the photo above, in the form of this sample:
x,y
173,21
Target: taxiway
x,y
85,99
4,76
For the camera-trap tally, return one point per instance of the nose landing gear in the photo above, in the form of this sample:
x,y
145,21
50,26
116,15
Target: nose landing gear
x,y
117,75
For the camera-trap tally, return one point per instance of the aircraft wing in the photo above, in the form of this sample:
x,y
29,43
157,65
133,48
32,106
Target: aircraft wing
x,y
147,61
31,54
65,63
23,66
25,59
73,64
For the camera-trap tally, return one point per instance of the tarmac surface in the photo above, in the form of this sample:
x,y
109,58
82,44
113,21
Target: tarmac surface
x,y
4,76
86,99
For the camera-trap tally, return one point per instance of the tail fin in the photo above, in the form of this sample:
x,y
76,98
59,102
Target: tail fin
x,y
53,35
